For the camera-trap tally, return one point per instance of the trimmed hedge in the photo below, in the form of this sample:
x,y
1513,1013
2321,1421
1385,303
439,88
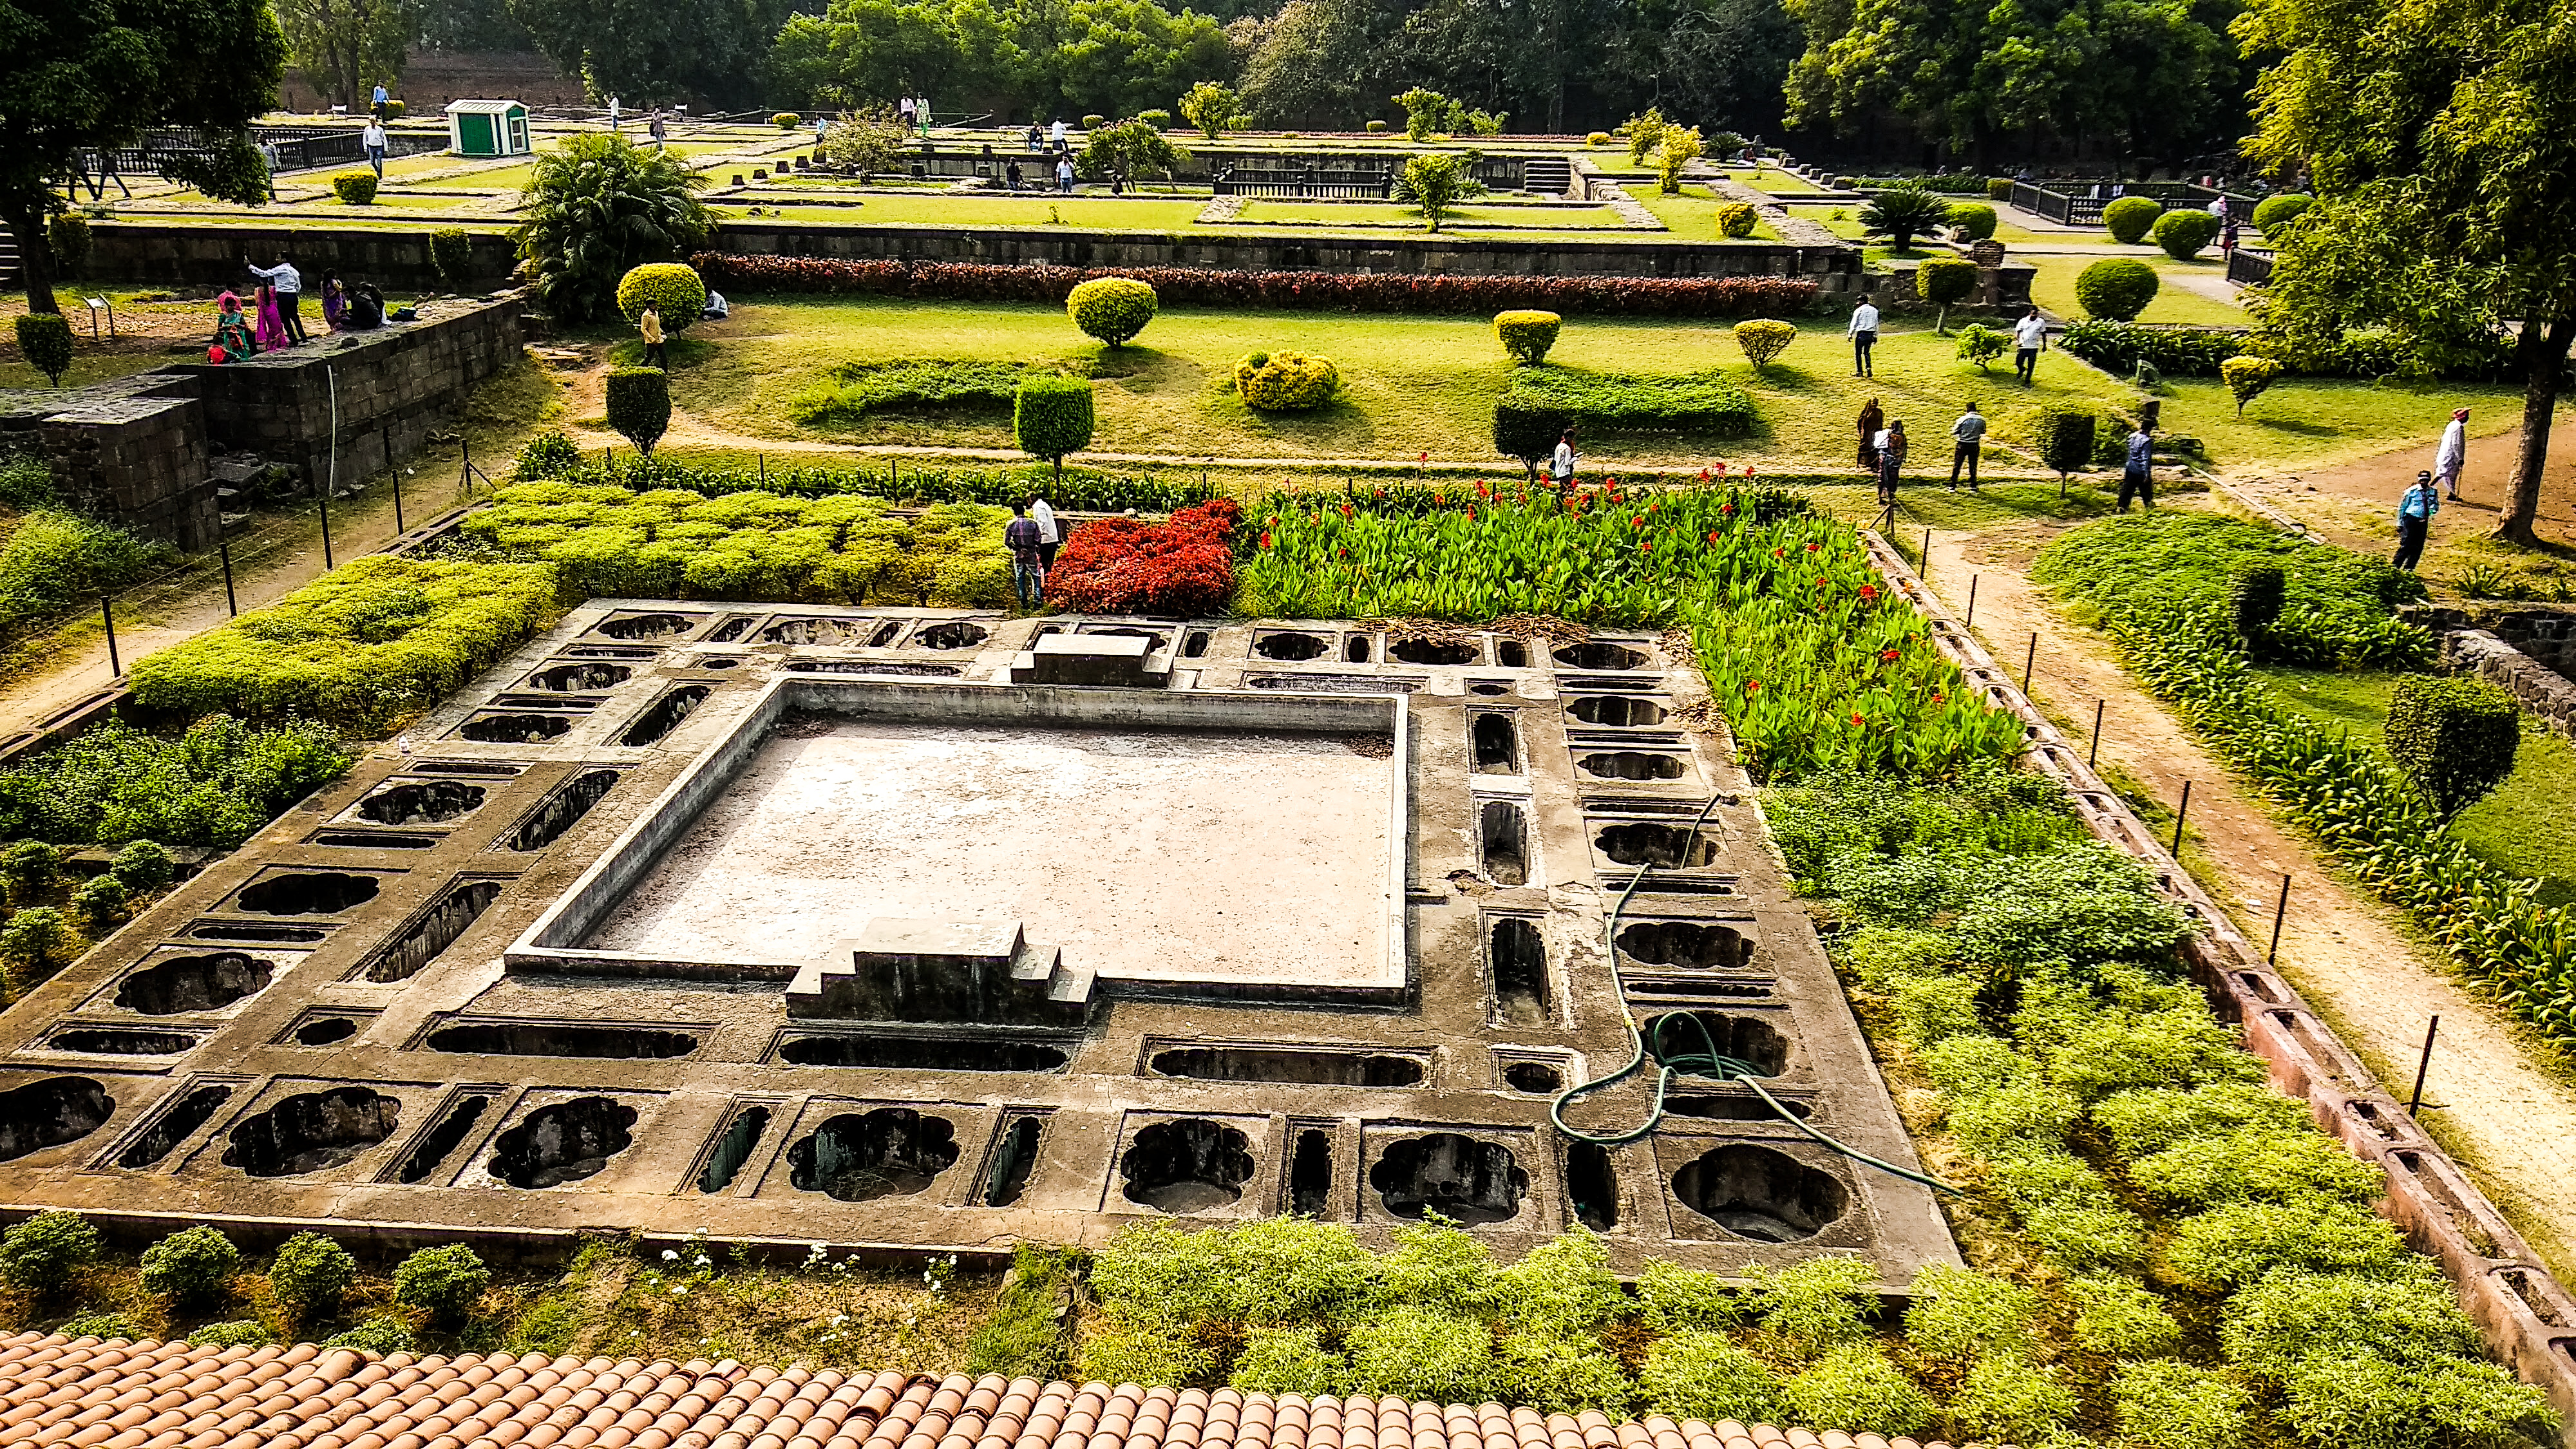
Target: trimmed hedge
x,y
639,404
363,647
2274,212
669,288
2064,433
1764,339
2128,218
1113,309
855,389
451,251
1052,416
2248,378
1973,221
2455,738
2118,347
1550,399
552,456
2116,289
1305,291
1286,381
2184,233
1737,219
354,188
215,785
1527,335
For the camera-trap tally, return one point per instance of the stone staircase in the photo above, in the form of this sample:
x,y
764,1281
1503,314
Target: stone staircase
x,y
1115,661
1548,175
899,969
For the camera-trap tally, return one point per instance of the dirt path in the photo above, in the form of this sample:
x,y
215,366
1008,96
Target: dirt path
x,y
281,553
2510,1120
2375,483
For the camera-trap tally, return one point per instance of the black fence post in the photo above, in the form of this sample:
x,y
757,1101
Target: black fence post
x,y
107,612
2280,913
2095,752
2181,811
2422,1066
224,550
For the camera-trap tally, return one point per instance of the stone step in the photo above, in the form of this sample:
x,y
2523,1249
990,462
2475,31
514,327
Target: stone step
x,y
905,969
1115,661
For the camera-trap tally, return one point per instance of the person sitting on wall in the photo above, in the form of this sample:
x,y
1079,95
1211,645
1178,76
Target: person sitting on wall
x,y
232,332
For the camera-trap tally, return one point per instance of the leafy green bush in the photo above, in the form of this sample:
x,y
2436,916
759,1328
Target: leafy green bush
x,y
1432,184
1025,1333
192,1266
2120,1316
354,188
2129,218
451,252
238,1333
67,235
2255,601
670,288
2183,233
1999,188
32,868
1809,1308
786,120
2010,1400
1737,219
2455,738
2116,288
143,867
45,340
1527,336
1160,120
1558,1375
45,1253
1695,1374
1972,220
215,785
375,640
380,1335
1080,489
2242,1243
1763,339
57,560
595,207
1052,416
639,405
1286,381
856,389
1113,309
1943,282
99,905
1981,345
1902,212
1287,1361
2449,1403
34,945
2175,351
310,1273
1420,1353
2064,432
444,1281
1705,403
1963,1316
2274,212
1856,1389
2247,378
2169,1405
1149,1353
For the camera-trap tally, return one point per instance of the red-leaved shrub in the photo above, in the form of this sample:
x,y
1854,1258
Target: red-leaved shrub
x,y
1301,290
1182,568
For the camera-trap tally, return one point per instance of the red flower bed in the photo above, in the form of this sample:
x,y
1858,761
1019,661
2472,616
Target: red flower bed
x,y
1183,568
1313,291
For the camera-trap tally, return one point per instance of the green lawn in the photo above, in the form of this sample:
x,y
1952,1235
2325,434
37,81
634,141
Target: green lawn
x,y
2314,421
1692,213
1837,218
1379,214
1105,213
1775,180
2526,827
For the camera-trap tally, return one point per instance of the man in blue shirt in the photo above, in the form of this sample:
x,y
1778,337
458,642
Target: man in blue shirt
x,y
2415,519
2138,473
1026,540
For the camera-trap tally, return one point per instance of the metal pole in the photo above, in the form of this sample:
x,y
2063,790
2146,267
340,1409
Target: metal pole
x,y
1926,571
107,612
224,548
398,518
1971,621
2029,662
2279,913
2095,752
2422,1066
2180,811
330,479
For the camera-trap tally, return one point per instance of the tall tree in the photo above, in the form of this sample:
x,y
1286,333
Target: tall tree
x,y
345,46
2441,139
100,73
650,52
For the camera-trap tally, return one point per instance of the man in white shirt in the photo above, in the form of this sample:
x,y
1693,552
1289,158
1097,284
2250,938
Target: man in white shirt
x,y
1055,133
2030,334
1968,441
2453,455
1064,175
290,290
1562,465
1050,537
373,139
1864,336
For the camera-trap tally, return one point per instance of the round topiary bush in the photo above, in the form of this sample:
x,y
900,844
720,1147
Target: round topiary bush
x,y
1287,382
1376,128
1112,309
787,120
1763,338
2275,212
31,868
2116,289
45,340
354,188
35,944
671,288
44,1253
2183,233
1597,138
1972,220
451,251
1527,335
310,1273
445,1281
2128,218
1999,188
1159,120
69,236
1093,123
639,405
2064,432
1051,415
1737,219
193,1265
99,904
143,866
1945,282
2248,377
394,110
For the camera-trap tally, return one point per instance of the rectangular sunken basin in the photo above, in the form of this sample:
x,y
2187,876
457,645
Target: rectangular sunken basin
x,y
1237,843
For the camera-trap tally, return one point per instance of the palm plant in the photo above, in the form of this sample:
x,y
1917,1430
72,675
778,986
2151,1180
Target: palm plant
x,y
1903,211
597,207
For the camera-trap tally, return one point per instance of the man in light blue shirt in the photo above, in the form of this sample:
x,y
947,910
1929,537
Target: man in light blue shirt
x,y
2138,471
2415,519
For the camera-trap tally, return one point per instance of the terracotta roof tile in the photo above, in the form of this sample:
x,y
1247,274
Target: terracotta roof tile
x,y
88,1393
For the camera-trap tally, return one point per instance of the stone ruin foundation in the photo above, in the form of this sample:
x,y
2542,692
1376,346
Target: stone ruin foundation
x,y
928,930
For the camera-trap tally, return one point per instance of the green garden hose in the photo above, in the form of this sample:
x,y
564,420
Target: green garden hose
x,y
1706,1062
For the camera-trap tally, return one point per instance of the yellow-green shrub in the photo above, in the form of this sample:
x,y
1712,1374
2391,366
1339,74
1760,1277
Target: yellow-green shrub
x,y
1286,381
362,647
1112,309
674,290
1764,338
354,188
1736,218
1527,335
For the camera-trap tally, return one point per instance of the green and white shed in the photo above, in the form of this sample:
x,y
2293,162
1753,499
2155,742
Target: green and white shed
x,y
487,128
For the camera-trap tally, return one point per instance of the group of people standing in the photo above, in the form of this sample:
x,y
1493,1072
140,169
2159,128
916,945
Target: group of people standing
x,y
272,317
914,112
1032,536
1014,179
1884,446
2415,509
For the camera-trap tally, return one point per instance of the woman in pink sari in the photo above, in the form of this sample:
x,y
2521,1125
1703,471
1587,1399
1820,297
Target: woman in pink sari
x,y
272,328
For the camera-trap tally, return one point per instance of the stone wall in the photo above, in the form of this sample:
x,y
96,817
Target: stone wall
x,y
203,255
140,461
2542,690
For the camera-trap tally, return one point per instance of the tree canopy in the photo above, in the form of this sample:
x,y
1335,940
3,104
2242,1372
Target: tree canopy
x,y
2441,136
597,206
100,73
650,52
1023,59
345,46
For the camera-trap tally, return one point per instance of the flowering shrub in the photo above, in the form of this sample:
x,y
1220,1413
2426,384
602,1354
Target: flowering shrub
x,y
1183,567
1312,291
